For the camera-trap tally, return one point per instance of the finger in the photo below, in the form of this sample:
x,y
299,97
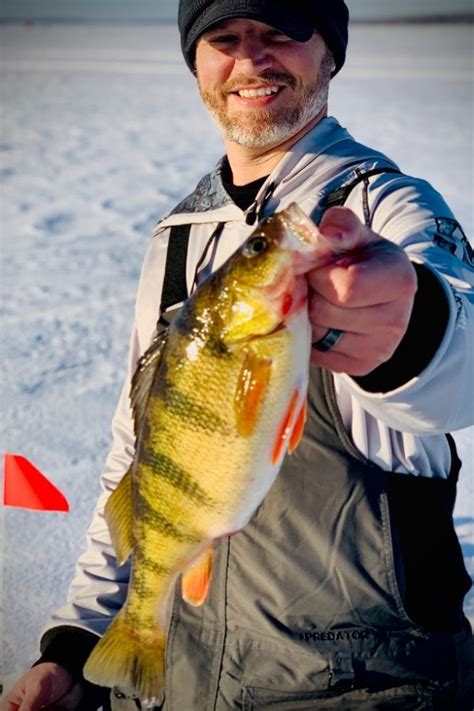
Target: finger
x,y
341,226
20,700
338,363
389,320
352,355
41,694
34,699
8,704
379,274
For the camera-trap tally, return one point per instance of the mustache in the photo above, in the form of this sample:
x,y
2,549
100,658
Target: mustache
x,y
267,77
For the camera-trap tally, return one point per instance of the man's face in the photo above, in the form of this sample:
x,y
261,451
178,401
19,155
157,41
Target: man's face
x,y
261,86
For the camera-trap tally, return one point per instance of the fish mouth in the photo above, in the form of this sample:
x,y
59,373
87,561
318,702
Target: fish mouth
x,y
279,327
299,224
263,336
312,248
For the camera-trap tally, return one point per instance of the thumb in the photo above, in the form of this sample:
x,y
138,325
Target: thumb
x,y
40,687
69,701
343,232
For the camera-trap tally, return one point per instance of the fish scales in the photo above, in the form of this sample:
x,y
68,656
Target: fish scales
x,y
195,451
215,400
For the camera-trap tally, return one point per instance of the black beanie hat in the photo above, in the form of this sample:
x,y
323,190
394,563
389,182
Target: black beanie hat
x,y
296,18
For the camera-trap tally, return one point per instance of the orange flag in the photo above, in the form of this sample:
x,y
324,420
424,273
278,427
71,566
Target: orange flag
x,y
26,487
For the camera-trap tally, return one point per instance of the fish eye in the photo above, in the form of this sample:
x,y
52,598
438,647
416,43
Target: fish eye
x,y
255,246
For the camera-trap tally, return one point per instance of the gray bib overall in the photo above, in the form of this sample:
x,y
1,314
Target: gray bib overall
x,y
308,603
344,592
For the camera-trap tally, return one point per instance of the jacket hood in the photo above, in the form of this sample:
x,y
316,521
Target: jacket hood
x,y
326,150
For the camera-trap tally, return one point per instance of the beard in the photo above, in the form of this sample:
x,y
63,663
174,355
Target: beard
x,y
262,127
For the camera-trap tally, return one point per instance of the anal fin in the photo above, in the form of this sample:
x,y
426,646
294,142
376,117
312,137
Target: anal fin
x,y
196,579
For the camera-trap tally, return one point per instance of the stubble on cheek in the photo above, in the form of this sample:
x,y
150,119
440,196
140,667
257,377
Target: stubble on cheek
x,y
260,126
217,99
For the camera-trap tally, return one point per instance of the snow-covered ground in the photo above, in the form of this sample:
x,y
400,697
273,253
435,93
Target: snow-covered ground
x,y
103,132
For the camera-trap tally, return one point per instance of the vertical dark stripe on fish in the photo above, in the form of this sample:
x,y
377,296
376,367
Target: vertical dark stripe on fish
x,y
153,566
175,475
194,414
158,522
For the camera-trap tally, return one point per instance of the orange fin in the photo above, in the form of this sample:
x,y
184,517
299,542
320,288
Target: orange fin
x,y
285,426
298,428
196,579
251,389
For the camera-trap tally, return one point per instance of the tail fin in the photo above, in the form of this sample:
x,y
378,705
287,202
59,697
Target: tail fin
x,y
129,660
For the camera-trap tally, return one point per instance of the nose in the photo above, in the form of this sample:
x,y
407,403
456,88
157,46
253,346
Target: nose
x,y
253,54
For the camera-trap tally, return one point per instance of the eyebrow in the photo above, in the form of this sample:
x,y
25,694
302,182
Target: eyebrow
x,y
222,25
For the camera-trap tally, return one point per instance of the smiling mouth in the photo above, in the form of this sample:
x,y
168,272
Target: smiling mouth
x,y
258,93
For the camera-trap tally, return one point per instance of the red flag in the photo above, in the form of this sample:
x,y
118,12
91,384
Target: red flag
x,y
25,486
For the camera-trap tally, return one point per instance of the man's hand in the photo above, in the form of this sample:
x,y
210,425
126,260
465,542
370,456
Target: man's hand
x,y
367,293
46,686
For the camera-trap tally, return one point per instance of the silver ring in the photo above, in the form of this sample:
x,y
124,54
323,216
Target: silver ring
x,y
328,341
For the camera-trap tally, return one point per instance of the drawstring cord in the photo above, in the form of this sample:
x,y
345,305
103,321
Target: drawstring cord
x,y
253,213
213,238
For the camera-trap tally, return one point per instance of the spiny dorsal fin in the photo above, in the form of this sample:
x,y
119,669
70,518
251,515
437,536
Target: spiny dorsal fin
x,y
119,517
143,378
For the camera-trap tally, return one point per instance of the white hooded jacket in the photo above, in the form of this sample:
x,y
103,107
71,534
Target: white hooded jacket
x,y
401,430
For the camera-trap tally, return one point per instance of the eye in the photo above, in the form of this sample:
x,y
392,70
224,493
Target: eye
x,y
255,246
277,36
220,40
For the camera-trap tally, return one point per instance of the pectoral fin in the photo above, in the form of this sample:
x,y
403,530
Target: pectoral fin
x,y
251,389
196,579
119,516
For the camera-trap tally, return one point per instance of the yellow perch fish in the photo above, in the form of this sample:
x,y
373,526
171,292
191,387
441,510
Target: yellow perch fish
x,y
218,399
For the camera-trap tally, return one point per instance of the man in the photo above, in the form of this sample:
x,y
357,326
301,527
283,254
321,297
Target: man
x,y
345,590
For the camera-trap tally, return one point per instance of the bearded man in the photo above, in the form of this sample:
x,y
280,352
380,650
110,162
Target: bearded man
x,y
345,590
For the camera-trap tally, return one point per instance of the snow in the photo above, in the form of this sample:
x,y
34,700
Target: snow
x,y
103,132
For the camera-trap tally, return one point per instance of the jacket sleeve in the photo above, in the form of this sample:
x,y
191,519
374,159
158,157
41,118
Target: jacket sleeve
x,y
99,587
438,398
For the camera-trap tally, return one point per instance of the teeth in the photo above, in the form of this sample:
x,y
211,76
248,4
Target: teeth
x,y
264,91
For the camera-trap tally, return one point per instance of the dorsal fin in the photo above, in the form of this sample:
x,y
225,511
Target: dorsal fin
x,y
143,378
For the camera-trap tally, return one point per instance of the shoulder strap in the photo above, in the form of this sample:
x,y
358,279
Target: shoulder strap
x,y
339,196
174,283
